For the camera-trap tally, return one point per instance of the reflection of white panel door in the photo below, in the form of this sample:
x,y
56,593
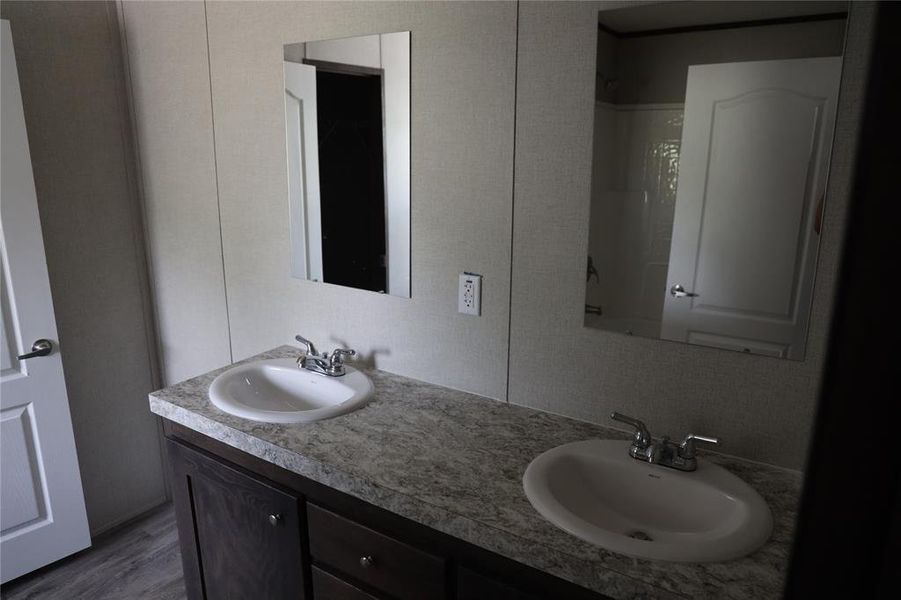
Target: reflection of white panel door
x,y
755,149
42,504
303,171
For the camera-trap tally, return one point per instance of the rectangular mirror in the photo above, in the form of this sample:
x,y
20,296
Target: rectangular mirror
x,y
712,136
347,126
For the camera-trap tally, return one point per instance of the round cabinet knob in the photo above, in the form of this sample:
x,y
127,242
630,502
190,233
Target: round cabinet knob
x,y
366,561
274,519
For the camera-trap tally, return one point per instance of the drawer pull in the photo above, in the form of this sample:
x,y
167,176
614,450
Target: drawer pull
x,y
274,519
391,568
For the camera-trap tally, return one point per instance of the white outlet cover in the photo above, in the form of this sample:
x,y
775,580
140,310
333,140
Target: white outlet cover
x,y
469,297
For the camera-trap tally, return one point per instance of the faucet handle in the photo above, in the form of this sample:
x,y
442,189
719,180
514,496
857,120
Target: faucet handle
x,y
687,447
642,436
338,355
311,349
336,361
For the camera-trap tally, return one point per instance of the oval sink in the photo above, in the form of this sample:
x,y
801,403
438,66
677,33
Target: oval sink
x,y
277,391
597,492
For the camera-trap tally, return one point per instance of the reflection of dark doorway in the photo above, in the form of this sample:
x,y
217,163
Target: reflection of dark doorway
x,y
351,175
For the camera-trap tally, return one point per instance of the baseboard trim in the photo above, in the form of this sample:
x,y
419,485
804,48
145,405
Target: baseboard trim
x,y
130,517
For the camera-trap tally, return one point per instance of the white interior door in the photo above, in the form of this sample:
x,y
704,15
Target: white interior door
x,y
303,171
752,174
42,505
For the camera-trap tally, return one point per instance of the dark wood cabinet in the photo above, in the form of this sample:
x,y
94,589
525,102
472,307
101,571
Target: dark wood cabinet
x,y
243,536
249,529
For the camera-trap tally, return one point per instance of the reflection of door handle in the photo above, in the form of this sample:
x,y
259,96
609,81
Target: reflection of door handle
x,y
39,348
678,291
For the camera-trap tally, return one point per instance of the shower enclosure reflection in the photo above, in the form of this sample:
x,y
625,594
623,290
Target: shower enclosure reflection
x,y
711,148
347,124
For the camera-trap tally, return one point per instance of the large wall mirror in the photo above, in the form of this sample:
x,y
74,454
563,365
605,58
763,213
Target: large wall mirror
x,y
347,125
712,137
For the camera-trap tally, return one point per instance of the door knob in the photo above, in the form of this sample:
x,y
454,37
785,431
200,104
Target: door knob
x,y
274,519
41,347
679,292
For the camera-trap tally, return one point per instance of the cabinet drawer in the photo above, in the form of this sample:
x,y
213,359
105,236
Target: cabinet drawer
x,y
328,587
475,586
375,559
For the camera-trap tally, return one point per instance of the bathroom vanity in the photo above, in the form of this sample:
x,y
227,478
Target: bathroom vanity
x,y
416,495
250,529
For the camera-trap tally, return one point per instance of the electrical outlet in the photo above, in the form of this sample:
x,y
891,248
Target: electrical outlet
x,y
469,298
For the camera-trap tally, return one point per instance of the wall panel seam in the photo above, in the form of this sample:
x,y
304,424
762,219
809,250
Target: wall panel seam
x,y
512,202
209,65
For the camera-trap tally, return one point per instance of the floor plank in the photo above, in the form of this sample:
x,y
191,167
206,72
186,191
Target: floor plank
x,y
139,560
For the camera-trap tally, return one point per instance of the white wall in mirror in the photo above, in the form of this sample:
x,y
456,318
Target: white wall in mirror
x,y
332,239
634,191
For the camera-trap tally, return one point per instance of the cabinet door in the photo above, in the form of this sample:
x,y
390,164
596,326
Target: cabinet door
x,y
240,537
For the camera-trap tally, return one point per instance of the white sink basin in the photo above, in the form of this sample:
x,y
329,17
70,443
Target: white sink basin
x,y
277,391
597,492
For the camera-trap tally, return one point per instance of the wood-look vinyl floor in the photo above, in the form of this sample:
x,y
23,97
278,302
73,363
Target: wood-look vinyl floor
x,y
139,560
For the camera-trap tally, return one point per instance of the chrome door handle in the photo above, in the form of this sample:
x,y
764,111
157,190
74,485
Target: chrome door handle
x,y
678,291
41,347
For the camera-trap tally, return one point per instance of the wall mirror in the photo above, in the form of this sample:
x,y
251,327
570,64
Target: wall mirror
x,y
347,125
713,127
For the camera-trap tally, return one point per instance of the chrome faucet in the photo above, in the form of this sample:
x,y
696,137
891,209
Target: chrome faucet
x,y
331,365
663,451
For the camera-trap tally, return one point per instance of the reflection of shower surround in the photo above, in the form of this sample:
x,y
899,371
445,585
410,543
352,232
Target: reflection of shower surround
x,y
633,203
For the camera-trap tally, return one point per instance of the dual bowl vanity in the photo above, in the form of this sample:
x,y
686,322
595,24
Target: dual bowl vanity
x,y
372,485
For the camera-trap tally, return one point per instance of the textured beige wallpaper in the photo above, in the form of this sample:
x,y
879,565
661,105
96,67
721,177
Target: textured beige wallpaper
x,y
462,65
170,85
761,407
69,64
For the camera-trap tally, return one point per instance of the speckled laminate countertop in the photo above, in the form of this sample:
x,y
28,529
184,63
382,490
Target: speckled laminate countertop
x,y
454,462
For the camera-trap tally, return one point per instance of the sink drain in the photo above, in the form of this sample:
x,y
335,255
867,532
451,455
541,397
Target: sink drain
x,y
640,535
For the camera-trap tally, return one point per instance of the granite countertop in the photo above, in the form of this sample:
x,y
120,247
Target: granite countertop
x,y
454,462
